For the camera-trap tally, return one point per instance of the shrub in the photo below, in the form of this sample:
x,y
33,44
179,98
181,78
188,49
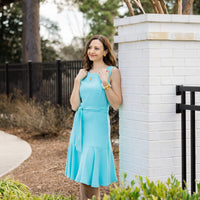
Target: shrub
x,y
12,190
149,190
8,108
145,190
41,118
5,111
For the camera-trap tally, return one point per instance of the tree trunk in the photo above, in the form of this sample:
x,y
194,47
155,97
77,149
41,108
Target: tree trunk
x,y
180,3
1,34
33,30
31,42
185,3
24,34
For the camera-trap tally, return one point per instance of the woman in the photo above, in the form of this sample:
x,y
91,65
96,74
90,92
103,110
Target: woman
x,y
96,87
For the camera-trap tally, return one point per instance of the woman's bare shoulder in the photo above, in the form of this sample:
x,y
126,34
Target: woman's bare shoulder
x,y
115,73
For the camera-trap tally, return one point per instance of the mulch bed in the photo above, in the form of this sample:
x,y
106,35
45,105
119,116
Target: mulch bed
x,y
43,171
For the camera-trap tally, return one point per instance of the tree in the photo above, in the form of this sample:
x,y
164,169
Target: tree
x,y
31,30
185,6
48,46
75,50
100,16
10,34
160,6
48,51
7,2
196,7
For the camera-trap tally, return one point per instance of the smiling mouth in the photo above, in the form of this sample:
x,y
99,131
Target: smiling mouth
x,y
91,55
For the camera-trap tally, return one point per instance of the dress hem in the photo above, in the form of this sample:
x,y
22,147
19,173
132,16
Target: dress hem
x,y
100,185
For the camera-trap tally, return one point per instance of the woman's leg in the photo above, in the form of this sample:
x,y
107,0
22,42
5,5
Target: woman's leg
x,y
86,192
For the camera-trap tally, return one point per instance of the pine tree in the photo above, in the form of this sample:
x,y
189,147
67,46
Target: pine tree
x,y
11,35
100,16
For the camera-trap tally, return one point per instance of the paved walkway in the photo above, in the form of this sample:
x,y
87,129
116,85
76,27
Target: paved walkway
x,y
13,151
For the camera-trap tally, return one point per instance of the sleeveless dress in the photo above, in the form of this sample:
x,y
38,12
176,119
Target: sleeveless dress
x,y
90,157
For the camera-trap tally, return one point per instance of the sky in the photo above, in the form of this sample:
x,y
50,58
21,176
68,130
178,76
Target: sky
x,y
70,21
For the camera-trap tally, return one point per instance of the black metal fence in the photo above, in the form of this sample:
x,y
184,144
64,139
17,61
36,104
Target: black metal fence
x,y
45,81
181,108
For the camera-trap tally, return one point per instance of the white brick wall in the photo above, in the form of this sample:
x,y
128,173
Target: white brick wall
x,y
156,53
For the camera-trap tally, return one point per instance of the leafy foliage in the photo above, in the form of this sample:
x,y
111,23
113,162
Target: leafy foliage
x,y
48,51
11,35
100,16
47,45
145,189
12,190
196,7
75,50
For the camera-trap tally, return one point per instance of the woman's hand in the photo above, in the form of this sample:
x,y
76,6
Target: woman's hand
x,y
114,94
81,74
104,76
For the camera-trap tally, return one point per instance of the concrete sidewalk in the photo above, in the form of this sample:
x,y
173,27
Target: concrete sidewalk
x,y
13,151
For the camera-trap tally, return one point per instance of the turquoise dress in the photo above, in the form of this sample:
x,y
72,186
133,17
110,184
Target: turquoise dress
x,y
90,157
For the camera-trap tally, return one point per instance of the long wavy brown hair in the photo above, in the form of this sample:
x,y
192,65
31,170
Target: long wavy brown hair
x,y
109,59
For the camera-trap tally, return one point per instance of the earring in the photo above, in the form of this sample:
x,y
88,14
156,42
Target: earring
x,y
104,55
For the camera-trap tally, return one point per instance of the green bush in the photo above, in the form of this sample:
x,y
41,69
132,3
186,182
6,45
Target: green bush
x,y
145,190
149,190
14,190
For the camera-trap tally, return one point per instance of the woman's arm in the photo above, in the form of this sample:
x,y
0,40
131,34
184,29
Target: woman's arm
x,y
114,94
75,96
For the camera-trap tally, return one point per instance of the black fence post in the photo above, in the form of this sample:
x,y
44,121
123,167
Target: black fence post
x,y
59,83
182,108
192,140
30,94
183,138
6,80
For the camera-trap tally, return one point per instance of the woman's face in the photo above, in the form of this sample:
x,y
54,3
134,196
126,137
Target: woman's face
x,y
96,50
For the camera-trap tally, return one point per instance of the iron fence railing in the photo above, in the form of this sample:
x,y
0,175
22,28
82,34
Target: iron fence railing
x,y
182,108
45,81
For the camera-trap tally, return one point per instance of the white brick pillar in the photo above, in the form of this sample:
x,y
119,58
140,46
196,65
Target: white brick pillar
x,y
156,53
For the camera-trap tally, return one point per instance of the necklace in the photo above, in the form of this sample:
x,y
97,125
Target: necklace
x,y
90,78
